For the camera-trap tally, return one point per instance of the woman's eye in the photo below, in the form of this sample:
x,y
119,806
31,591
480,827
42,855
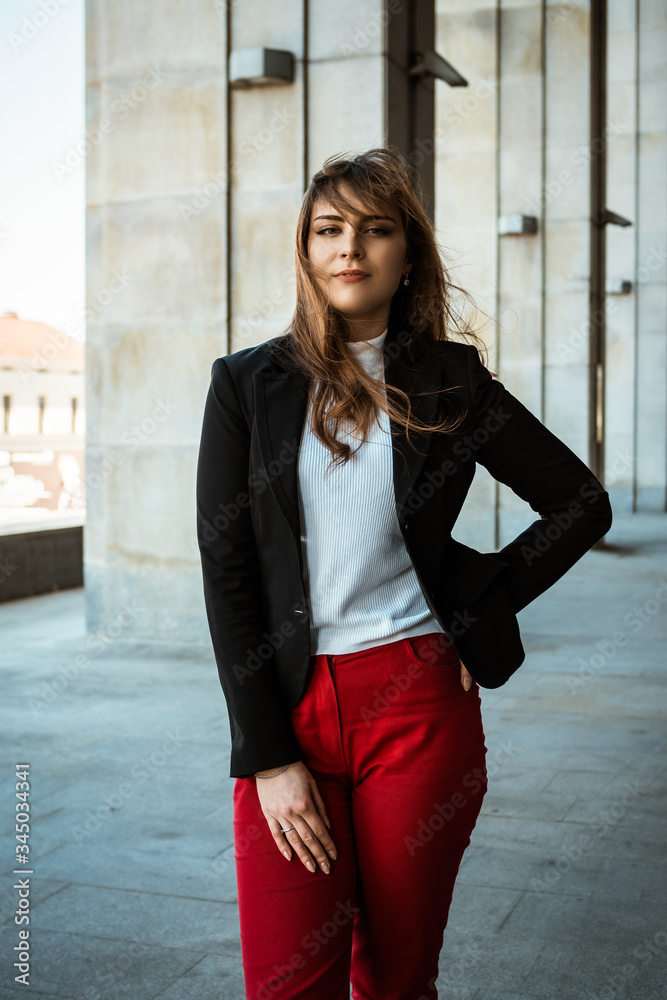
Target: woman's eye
x,y
332,229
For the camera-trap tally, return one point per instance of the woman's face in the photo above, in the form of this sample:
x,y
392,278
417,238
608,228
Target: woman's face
x,y
371,244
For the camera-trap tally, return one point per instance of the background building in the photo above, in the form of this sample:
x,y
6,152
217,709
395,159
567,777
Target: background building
x,y
42,422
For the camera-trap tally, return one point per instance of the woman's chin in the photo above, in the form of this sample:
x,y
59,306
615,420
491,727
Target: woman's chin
x,y
356,309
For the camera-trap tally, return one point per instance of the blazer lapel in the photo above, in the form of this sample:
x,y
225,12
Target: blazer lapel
x,y
281,400
280,410
414,378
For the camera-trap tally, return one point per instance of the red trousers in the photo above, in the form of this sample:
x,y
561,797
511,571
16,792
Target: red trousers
x,y
396,747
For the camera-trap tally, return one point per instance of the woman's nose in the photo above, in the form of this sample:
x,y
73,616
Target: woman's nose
x,y
351,245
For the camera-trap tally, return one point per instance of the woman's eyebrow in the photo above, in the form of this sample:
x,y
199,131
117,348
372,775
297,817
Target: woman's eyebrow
x,y
364,218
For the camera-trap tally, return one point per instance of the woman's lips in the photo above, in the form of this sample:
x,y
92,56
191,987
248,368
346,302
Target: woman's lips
x,y
352,277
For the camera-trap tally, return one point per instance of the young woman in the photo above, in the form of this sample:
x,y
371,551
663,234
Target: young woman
x,y
351,631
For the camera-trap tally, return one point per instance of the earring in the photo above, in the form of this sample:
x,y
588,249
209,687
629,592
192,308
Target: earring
x,y
406,280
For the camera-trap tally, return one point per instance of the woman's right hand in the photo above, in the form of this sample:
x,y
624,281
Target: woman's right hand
x,y
292,799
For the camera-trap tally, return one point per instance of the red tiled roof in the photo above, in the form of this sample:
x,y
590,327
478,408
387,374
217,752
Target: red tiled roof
x,y
21,338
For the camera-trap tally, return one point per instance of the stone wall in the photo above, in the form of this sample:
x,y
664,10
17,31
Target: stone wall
x,y
517,140
156,89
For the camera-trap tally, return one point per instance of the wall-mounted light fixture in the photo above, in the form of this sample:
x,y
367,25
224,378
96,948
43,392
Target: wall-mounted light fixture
x,y
517,224
260,67
617,286
432,64
609,218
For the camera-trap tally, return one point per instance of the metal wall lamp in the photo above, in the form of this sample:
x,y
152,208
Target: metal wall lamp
x,y
618,286
517,224
430,63
609,218
260,67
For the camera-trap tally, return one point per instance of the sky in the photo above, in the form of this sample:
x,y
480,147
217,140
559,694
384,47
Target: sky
x,y
42,113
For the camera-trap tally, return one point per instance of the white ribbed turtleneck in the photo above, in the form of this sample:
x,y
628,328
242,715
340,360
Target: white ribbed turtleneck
x,y
361,585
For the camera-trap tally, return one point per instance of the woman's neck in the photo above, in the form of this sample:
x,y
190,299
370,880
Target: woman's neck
x,y
366,329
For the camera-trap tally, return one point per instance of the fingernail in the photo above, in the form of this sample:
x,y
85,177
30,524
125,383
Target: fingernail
x,y
326,820
332,854
467,681
287,855
325,867
310,865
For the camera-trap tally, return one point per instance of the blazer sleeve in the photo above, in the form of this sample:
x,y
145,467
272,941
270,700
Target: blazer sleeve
x,y
519,451
261,731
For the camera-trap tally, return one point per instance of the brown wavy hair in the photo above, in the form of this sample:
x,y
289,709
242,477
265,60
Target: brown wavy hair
x,y
424,311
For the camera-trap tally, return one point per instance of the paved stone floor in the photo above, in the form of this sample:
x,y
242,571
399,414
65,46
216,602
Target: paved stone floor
x,y
561,895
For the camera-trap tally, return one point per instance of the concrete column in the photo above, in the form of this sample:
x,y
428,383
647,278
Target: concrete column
x,y
267,169
466,195
650,332
360,90
622,179
156,224
565,224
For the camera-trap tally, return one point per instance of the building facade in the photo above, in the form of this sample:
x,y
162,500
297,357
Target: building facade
x,y
539,131
42,422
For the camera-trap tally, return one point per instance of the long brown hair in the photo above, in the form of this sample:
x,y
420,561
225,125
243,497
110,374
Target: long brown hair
x,y
339,387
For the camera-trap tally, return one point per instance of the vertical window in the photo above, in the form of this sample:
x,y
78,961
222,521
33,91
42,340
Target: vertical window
x,y
41,402
6,409
75,407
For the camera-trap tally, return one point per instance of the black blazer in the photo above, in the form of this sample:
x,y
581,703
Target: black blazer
x,y
249,531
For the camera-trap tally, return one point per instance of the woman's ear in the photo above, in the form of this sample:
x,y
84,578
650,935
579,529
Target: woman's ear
x,y
407,267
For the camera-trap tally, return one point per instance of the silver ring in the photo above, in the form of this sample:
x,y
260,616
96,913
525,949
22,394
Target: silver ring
x,y
287,829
